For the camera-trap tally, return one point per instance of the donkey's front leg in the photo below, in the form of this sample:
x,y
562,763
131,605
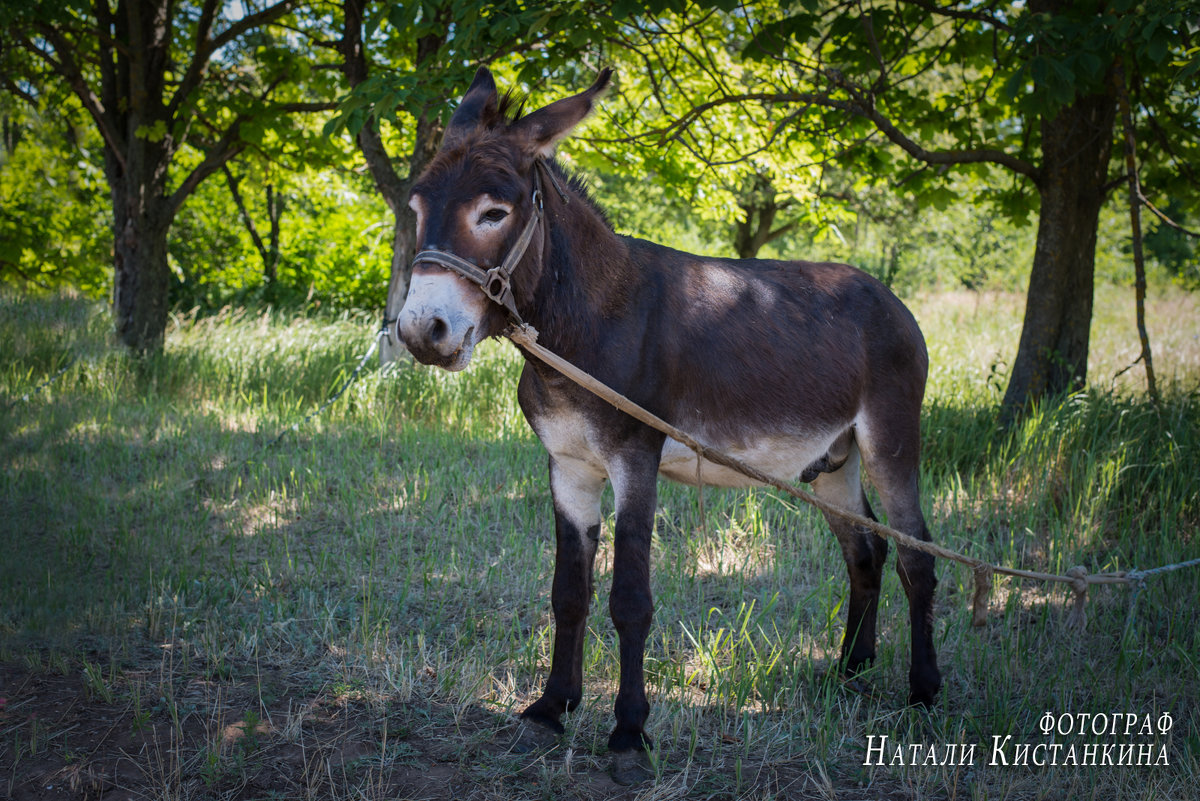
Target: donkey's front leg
x,y
630,603
576,489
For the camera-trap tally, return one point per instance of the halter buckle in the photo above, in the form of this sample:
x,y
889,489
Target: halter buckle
x,y
496,284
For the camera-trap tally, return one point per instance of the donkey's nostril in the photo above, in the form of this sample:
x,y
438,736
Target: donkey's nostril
x,y
438,330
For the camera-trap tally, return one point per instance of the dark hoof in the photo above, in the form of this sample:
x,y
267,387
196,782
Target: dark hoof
x,y
852,667
923,688
858,686
631,767
533,735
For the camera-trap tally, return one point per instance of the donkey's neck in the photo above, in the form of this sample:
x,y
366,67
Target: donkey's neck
x,y
587,274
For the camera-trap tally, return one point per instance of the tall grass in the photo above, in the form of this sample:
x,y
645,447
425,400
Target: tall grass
x,y
400,546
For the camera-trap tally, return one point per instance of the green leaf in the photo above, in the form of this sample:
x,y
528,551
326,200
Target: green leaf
x,y
1190,68
356,120
386,106
1156,49
403,16
152,133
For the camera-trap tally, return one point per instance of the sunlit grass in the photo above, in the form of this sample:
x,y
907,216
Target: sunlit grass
x,y
401,545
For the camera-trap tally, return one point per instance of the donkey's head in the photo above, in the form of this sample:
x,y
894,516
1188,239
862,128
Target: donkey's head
x,y
478,210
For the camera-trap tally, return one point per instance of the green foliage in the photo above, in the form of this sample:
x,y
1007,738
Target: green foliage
x,y
533,41
335,243
174,92
662,171
55,221
1175,250
343,248
963,77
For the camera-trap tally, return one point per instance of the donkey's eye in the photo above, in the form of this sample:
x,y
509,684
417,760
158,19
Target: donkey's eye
x,y
493,216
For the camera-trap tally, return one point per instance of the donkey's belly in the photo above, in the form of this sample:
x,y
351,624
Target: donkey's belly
x,y
780,456
573,441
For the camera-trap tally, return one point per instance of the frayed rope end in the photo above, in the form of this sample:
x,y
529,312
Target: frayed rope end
x,y
983,592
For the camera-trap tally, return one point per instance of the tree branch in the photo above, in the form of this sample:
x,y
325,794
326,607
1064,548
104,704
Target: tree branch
x,y
1167,220
303,107
954,13
246,218
195,69
856,107
781,230
66,67
17,91
20,271
206,46
106,39
1135,225
865,108
228,146
354,67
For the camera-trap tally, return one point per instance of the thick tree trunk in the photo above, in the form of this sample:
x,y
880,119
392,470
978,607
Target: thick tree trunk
x,y
141,223
760,206
1053,351
139,76
752,232
404,247
141,281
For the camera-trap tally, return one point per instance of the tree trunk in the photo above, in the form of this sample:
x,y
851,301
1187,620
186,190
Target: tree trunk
x,y
1135,229
271,259
751,233
141,282
428,136
1053,351
141,222
760,206
141,77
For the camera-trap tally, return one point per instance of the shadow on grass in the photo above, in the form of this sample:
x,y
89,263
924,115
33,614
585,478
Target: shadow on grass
x,y
376,589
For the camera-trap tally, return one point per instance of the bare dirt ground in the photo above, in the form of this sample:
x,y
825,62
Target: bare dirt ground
x,y
265,737
214,738
268,736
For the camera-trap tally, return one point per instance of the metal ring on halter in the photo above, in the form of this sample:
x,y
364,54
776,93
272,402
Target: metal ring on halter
x,y
496,284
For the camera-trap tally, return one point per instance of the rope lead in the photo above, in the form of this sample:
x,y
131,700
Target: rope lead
x,y
525,337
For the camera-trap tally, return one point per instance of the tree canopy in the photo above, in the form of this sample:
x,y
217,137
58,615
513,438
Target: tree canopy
x,y
210,150
1020,96
175,91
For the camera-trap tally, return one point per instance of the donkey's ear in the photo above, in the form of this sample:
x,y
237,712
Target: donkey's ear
x,y
478,104
544,128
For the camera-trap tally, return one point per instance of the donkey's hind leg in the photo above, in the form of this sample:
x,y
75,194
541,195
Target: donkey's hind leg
x,y
891,452
864,552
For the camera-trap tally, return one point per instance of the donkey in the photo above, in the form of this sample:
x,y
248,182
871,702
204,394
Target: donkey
x,y
805,370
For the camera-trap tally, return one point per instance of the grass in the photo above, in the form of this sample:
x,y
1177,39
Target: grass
x,y
359,610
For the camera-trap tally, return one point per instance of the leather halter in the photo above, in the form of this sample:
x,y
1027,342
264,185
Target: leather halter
x,y
496,282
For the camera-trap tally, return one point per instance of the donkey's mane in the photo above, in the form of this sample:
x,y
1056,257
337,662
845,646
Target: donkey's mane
x,y
511,106
579,183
